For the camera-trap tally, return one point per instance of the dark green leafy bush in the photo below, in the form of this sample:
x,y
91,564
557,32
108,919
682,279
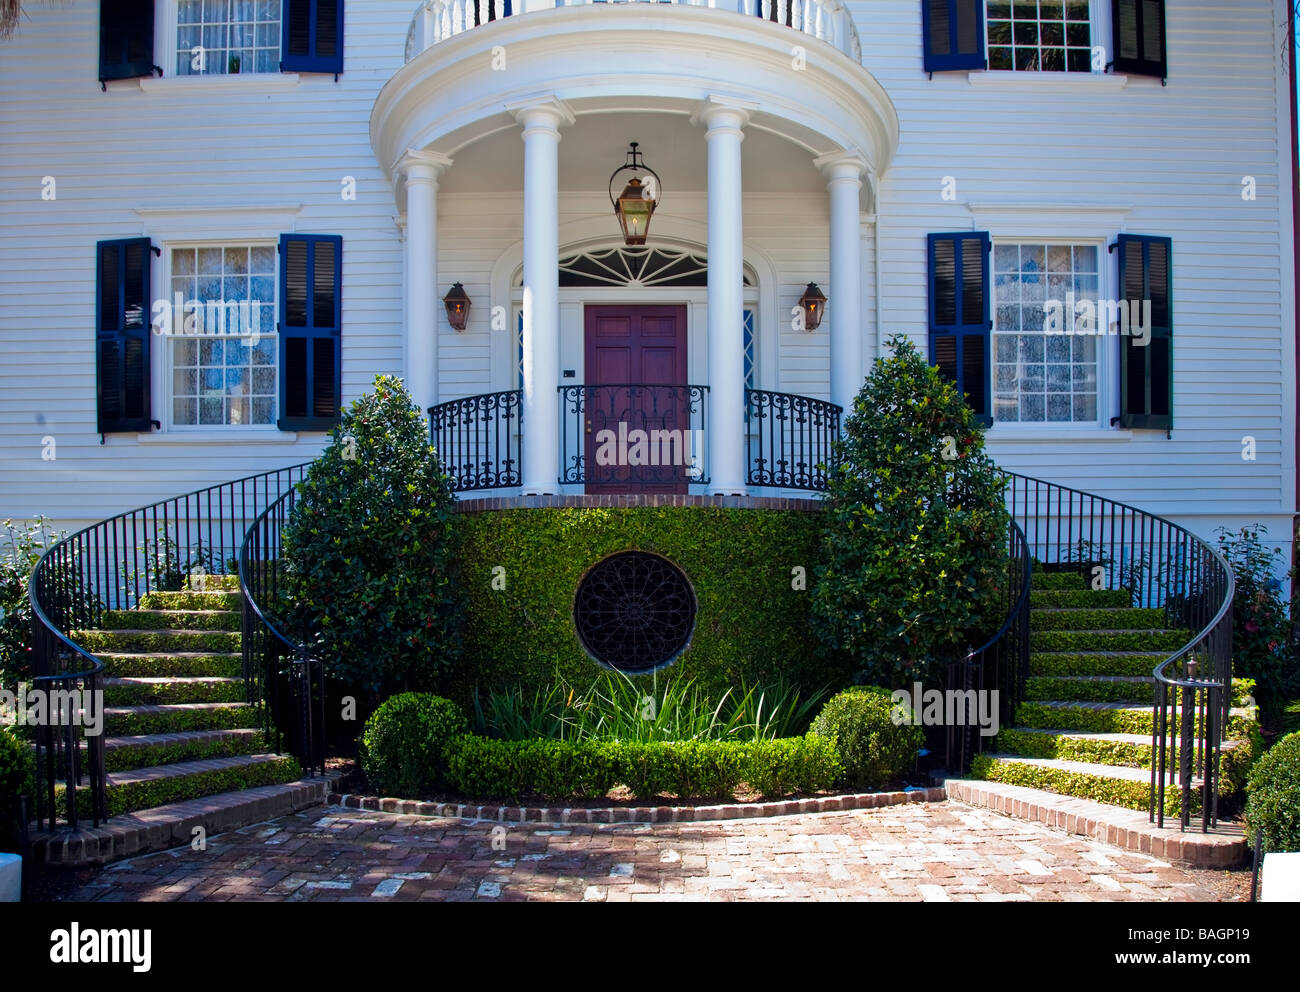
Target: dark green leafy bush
x,y
587,769
1273,797
368,555
17,778
872,748
1261,643
915,558
403,748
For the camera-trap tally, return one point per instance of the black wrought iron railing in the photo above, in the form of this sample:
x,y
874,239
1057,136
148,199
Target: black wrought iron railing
x,y
479,440
281,671
110,565
1163,566
634,436
1000,664
791,440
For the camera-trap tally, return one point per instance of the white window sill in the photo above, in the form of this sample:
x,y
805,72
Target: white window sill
x,y
1036,79
1053,434
219,82
233,435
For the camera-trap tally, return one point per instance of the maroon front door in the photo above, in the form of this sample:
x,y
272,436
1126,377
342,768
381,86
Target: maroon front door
x,y
636,401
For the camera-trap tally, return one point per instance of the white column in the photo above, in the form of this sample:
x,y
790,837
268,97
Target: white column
x,y
541,120
423,323
844,296
725,120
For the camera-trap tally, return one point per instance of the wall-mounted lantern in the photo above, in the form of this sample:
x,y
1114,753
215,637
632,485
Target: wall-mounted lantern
x,y
457,303
813,302
636,204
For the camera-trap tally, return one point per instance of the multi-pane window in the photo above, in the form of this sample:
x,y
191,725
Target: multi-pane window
x,y
223,355
1042,377
749,348
227,36
1050,35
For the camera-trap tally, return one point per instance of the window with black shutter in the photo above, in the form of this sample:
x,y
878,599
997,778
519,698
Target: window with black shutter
x,y
122,315
312,38
954,34
1139,31
1146,361
960,325
311,279
126,39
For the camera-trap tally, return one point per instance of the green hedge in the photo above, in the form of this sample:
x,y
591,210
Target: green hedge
x,y
1273,797
484,768
751,625
873,749
403,747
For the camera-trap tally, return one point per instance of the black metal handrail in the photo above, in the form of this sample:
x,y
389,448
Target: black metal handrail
x,y
109,566
1001,663
634,434
1163,566
280,671
479,439
791,440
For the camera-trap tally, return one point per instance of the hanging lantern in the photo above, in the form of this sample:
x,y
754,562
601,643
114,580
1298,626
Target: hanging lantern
x,y
813,302
457,303
636,204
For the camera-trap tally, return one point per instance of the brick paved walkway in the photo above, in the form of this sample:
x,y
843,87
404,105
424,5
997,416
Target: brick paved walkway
x,y
945,851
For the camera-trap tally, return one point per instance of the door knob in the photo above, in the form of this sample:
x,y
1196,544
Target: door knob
x,y
588,426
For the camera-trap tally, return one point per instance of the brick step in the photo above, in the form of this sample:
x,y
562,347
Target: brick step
x,y
141,641
1097,717
1123,663
129,721
196,664
1095,619
140,788
1129,750
170,620
143,750
1150,639
1115,785
155,690
1129,830
1039,579
1089,598
1108,688
212,583
174,824
215,600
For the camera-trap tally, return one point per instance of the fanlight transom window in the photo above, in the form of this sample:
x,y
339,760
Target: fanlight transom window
x,y
623,266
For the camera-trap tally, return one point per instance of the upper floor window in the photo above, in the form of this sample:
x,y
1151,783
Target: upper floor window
x,y
1049,35
227,36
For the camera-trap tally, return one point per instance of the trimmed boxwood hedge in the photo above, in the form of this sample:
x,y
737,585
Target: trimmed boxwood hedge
x,y
751,625
486,768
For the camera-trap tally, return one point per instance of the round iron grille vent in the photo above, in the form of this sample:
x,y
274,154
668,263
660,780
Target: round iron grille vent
x,y
634,611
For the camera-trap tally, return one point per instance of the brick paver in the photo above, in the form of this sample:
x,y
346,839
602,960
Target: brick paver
x,y
940,852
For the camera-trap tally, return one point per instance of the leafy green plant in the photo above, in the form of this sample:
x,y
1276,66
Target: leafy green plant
x,y
368,556
1273,797
17,778
1261,641
915,556
872,748
615,707
403,748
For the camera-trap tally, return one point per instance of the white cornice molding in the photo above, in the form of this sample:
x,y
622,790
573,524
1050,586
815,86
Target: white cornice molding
x,y
211,210
1048,219
1013,80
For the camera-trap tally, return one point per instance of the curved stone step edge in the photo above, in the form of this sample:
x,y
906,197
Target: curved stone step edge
x,y
173,825
1129,830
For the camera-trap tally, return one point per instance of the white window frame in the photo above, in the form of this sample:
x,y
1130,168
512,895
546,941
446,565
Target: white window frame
x,y
1098,30
166,26
166,378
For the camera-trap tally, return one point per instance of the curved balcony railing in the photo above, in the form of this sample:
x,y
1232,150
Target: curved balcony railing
x,y
791,440
826,20
479,440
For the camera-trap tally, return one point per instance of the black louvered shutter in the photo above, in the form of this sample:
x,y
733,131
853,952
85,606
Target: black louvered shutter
x,y
311,280
1139,29
960,326
125,39
954,34
312,36
122,314
1146,371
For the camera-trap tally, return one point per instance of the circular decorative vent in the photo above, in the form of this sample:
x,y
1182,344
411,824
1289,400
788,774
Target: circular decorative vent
x,y
634,611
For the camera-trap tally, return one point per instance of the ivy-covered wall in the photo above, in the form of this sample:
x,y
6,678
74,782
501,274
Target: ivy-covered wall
x,y
750,569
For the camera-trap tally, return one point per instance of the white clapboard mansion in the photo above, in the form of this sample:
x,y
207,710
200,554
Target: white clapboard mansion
x,y
222,218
